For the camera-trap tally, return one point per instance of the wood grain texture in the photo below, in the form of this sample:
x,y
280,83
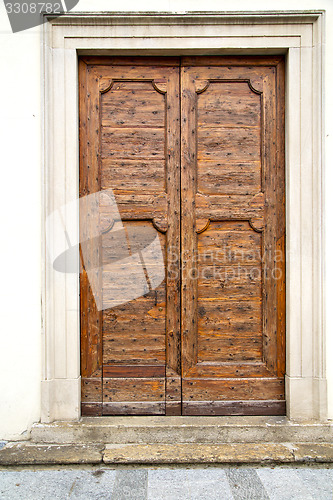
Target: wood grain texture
x,y
134,408
91,317
136,371
260,408
173,392
188,220
281,227
125,176
232,117
92,409
253,62
232,369
173,242
193,149
228,105
138,150
241,389
133,389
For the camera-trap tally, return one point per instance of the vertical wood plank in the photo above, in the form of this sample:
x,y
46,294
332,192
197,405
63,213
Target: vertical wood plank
x,y
281,222
173,388
91,317
188,220
270,231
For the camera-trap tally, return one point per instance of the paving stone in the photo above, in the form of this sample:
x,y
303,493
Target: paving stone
x,y
209,483
246,485
197,453
56,484
313,481
131,485
317,481
29,453
313,452
168,483
284,483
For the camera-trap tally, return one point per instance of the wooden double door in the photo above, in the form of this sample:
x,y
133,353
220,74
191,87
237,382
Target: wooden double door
x,y
183,239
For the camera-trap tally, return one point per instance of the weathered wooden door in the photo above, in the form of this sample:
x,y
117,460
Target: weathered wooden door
x,y
182,236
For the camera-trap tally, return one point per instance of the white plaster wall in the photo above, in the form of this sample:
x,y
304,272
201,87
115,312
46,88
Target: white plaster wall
x,y
20,200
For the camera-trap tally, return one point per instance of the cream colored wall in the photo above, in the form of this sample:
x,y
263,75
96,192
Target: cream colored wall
x,y
20,208
21,139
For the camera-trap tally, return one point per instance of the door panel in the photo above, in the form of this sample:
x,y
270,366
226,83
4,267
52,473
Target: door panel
x,y
185,157
232,227
132,115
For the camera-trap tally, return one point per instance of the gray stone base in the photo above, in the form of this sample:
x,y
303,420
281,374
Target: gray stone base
x,y
27,453
161,429
173,440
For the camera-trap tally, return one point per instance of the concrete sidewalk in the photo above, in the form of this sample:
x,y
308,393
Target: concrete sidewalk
x,y
162,483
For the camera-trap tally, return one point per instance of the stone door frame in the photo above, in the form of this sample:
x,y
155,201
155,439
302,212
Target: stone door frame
x,y
298,35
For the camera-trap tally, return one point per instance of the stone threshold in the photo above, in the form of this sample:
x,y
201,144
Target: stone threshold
x,y
161,429
173,440
27,453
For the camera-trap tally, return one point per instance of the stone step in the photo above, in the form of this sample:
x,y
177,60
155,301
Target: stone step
x,y
221,453
27,453
169,430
